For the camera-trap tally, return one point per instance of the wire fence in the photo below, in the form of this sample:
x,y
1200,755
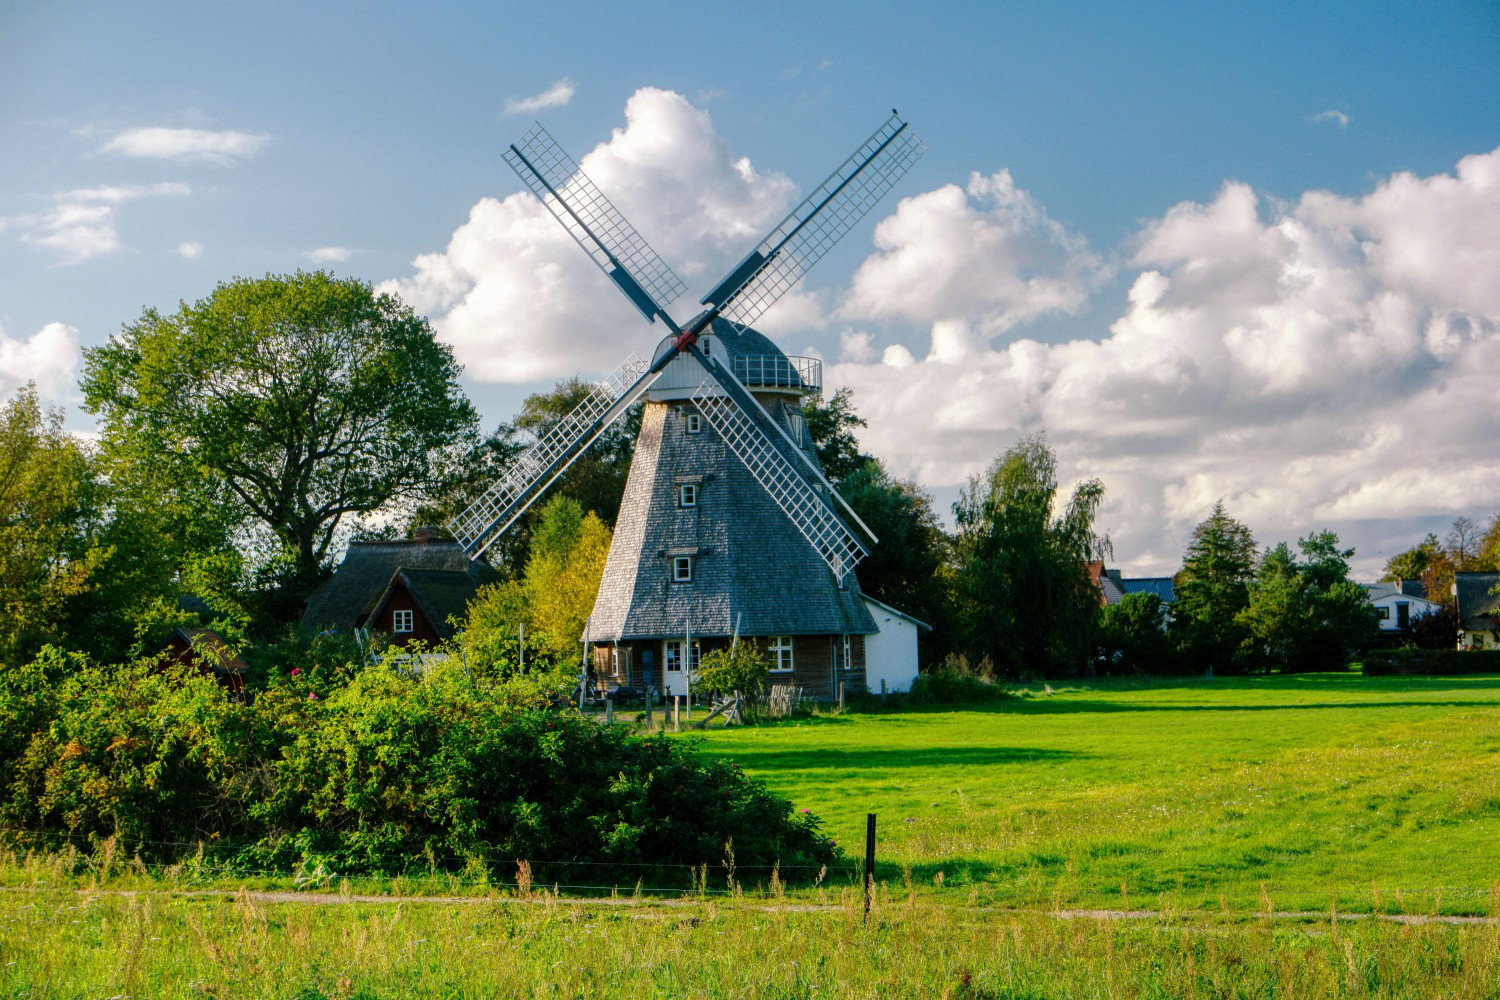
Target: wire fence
x,y
201,863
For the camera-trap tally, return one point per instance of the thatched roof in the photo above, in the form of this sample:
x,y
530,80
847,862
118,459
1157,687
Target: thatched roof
x,y
1478,606
356,587
438,593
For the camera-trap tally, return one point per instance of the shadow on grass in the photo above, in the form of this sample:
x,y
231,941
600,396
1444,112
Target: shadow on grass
x,y
882,758
1073,706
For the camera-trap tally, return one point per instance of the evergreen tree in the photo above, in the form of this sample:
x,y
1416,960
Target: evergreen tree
x,y
1213,587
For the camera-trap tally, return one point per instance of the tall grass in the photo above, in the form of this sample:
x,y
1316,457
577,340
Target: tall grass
x,y
56,943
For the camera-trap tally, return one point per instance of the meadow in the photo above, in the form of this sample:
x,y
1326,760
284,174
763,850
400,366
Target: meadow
x,y
1315,791
1250,838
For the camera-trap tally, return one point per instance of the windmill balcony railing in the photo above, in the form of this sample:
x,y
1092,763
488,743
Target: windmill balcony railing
x,y
779,370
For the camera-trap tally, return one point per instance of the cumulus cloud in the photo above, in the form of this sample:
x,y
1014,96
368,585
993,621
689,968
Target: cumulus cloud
x,y
192,249
48,357
159,143
519,302
556,96
986,255
81,223
328,255
1329,361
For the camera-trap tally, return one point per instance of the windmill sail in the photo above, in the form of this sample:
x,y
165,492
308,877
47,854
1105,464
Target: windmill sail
x,y
816,225
732,412
558,447
592,220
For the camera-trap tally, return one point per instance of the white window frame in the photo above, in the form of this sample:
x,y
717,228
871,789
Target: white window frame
x,y
695,423
403,622
687,495
671,656
780,651
848,652
682,569
1382,613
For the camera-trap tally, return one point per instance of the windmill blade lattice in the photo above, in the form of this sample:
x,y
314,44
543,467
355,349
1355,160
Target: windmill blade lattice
x,y
840,548
549,457
816,225
595,224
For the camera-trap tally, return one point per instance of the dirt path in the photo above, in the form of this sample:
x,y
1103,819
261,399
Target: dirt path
x,y
542,899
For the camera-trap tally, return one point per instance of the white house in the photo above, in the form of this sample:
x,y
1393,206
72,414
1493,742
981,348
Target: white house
x,y
891,653
1395,610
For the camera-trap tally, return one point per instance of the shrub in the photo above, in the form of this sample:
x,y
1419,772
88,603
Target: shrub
x,y
1430,662
365,768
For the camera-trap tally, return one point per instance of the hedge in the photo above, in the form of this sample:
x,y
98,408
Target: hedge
x,y
1431,662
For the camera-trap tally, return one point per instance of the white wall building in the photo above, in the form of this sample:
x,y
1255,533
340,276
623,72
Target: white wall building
x,y
891,653
1395,610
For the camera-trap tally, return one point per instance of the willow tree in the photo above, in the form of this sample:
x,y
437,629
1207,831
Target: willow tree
x,y
305,398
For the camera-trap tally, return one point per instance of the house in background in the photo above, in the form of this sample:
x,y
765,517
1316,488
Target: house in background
x,y
891,653
1395,608
407,589
1107,581
1478,610
206,651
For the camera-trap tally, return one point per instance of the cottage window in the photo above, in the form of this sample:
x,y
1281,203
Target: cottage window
x,y
848,659
672,654
401,621
687,495
682,569
694,423
781,654
1383,614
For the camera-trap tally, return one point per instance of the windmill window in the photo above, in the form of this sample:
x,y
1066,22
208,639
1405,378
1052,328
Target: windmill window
x,y
848,659
682,569
781,654
401,621
687,495
695,423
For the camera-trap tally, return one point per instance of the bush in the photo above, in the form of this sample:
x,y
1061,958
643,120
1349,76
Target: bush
x,y
365,769
1430,662
953,682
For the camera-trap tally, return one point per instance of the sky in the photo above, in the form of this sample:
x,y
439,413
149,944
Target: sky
x,y
1239,251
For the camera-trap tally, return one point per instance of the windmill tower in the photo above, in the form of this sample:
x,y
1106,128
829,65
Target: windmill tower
x,y
728,525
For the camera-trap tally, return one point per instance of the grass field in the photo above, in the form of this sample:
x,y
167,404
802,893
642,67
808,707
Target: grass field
x,y
1330,789
1208,806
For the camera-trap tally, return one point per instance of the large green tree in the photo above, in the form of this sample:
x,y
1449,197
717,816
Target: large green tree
x,y
303,400
47,556
908,568
1023,597
1213,587
1306,614
831,424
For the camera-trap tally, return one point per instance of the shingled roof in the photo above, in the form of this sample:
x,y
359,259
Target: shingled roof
x,y
355,588
1478,605
752,568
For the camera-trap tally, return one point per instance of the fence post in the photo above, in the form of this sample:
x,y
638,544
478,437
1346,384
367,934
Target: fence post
x,y
677,713
841,696
869,862
609,709
649,725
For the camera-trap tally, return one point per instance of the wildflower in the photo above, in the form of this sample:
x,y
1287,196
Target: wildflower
x,y
312,696
296,671
807,811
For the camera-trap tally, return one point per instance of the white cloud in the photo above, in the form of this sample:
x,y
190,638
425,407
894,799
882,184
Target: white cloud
x,y
556,96
1327,362
1331,115
186,144
328,255
520,303
192,250
48,357
986,254
81,223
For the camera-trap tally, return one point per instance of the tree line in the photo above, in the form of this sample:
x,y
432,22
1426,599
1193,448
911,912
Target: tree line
x,y
244,438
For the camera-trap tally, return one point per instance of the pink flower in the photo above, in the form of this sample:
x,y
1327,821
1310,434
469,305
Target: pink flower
x,y
311,696
296,671
808,811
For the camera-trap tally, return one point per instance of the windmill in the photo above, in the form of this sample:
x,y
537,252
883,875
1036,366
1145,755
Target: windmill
x,y
716,371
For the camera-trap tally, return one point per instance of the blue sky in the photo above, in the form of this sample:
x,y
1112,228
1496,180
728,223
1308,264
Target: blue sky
x,y
1103,183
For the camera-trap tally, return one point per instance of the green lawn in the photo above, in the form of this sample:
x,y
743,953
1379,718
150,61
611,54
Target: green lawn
x,y
1325,789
